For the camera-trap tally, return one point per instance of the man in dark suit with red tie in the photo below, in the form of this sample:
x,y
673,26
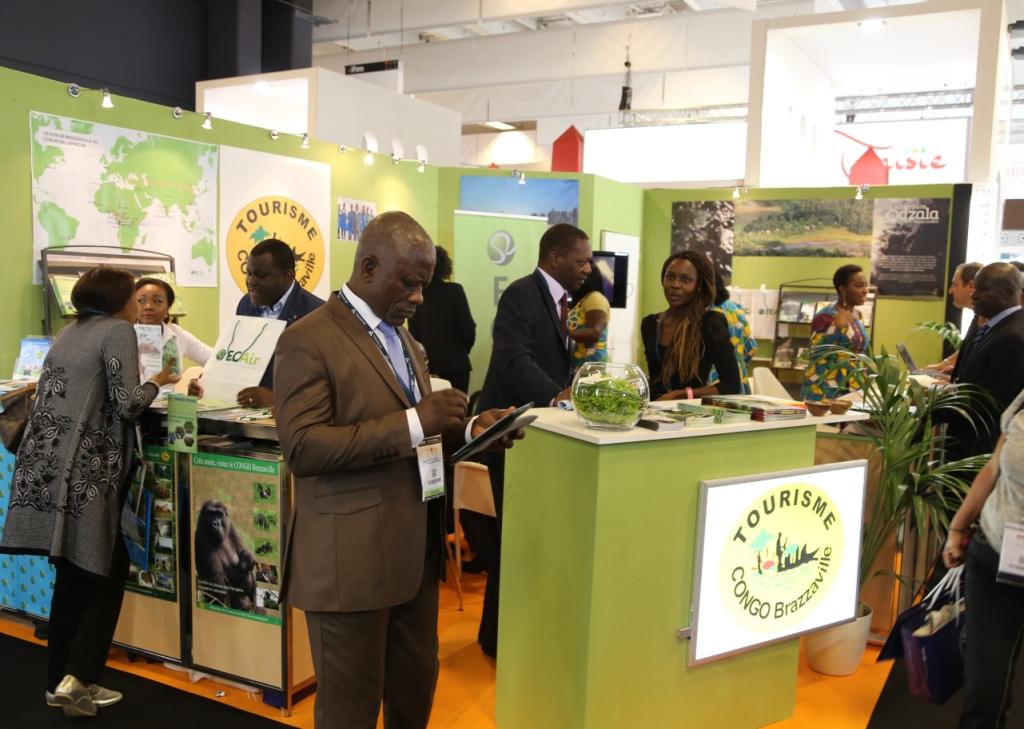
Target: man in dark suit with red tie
x,y
530,362
992,357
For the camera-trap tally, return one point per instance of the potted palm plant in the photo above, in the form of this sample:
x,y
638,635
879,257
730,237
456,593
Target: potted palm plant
x,y
915,486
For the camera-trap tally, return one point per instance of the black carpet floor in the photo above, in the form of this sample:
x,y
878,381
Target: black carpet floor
x,y
147,704
897,709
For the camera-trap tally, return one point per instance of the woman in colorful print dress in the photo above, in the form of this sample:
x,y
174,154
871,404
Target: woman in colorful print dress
x,y
838,324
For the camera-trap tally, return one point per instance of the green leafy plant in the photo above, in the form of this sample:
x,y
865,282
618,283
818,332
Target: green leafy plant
x,y
914,480
608,400
949,331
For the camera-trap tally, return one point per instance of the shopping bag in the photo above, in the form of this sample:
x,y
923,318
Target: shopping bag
x,y
932,637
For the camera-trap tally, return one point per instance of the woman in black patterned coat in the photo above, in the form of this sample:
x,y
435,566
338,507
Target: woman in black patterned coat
x,y
70,481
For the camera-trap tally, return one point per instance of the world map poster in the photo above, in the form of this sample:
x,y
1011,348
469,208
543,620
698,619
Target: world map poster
x,y
94,184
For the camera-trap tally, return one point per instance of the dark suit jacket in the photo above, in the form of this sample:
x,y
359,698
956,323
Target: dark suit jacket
x,y
530,361
444,325
996,364
296,306
358,534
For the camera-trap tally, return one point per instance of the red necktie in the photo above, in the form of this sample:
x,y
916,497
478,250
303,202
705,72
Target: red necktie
x,y
563,313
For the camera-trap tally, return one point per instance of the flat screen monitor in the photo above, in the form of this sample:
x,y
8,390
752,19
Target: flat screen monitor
x,y
614,269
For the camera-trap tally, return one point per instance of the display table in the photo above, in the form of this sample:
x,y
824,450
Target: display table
x,y
597,568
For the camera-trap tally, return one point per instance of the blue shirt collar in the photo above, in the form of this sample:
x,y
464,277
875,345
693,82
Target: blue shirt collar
x,y
274,312
1000,316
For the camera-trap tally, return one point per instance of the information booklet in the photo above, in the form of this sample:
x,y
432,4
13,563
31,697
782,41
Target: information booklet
x,y
657,419
61,285
518,418
31,355
764,409
150,338
721,416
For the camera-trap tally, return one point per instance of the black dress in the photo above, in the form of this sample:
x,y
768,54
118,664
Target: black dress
x,y
718,351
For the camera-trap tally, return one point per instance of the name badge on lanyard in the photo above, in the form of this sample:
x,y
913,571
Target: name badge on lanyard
x,y
1011,555
431,461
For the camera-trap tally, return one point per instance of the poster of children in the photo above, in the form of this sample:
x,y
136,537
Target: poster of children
x,y
353,217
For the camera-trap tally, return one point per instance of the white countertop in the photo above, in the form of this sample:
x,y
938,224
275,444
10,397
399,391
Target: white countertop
x,y
564,422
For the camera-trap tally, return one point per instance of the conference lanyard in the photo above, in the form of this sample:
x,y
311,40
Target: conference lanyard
x,y
409,391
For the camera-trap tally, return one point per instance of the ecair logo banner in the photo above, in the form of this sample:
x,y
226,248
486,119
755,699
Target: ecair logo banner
x,y
241,356
779,557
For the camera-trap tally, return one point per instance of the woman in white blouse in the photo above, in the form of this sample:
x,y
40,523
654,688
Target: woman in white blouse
x,y
155,298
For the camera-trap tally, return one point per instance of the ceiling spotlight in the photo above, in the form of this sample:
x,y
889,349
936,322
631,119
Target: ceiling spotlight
x,y
207,121
872,25
304,144
736,193
368,159
274,135
177,113
107,102
499,126
74,91
341,149
395,159
422,166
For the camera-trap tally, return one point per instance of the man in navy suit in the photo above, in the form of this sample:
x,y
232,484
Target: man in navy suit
x,y
530,362
992,357
273,294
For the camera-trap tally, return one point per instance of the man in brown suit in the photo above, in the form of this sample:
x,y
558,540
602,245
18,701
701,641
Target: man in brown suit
x,y
364,553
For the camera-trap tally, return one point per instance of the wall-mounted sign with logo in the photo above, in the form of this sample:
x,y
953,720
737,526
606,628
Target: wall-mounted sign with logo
x,y
777,556
501,247
916,152
240,357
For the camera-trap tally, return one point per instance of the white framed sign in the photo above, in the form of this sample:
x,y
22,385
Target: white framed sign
x,y
777,556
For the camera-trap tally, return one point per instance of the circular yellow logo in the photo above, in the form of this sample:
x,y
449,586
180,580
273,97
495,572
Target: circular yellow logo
x,y
781,557
284,219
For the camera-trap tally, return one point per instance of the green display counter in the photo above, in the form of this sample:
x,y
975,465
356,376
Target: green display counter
x,y
598,556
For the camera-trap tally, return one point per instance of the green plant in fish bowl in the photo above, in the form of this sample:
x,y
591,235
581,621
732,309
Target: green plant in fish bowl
x,y
610,395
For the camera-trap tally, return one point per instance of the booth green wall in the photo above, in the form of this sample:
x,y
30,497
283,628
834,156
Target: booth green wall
x,y
389,186
431,197
895,318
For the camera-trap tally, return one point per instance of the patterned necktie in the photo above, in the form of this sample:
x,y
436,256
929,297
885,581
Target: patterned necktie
x,y
563,313
982,331
397,356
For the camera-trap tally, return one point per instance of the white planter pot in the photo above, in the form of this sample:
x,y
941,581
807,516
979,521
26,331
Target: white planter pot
x,y
837,651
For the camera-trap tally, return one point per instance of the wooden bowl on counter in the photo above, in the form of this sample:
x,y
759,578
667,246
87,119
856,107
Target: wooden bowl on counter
x,y
817,408
840,407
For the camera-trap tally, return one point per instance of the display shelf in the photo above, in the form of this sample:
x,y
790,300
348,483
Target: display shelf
x,y
799,302
61,267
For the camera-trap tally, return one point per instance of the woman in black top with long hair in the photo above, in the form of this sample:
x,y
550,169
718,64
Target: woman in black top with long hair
x,y
444,325
684,341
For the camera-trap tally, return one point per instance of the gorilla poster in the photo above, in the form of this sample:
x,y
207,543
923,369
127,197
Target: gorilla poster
x,y
908,251
236,533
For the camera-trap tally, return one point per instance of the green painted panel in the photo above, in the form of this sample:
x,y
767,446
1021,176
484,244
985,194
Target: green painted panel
x,y
484,279
602,540
389,186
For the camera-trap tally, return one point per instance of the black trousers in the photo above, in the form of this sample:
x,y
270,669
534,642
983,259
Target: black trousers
x,y
83,615
995,624
487,635
365,658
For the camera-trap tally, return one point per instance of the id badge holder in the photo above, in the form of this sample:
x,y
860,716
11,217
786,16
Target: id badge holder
x,y
430,456
1011,555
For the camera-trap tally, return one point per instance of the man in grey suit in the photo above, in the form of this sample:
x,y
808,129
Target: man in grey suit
x,y
364,552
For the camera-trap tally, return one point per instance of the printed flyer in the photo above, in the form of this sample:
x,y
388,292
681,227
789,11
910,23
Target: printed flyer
x,y
160,579
182,423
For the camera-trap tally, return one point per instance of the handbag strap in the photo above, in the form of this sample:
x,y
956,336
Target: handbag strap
x,y
950,582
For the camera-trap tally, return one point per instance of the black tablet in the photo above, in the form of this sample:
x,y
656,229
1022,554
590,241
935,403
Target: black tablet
x,y
515,420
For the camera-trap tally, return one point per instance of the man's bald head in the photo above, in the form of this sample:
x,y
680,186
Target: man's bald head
x,y
394,261
996,287
390,234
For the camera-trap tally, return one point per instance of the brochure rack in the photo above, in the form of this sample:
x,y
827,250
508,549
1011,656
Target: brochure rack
x,y
62,266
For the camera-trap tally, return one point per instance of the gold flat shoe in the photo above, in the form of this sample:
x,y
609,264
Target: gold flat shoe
x,y
74,697
104,696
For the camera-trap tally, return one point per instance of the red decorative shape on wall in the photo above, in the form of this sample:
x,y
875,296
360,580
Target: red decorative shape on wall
x,y
870,169
567,152
492,166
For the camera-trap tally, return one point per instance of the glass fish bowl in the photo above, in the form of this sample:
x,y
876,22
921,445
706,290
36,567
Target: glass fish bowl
x,y
610,395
